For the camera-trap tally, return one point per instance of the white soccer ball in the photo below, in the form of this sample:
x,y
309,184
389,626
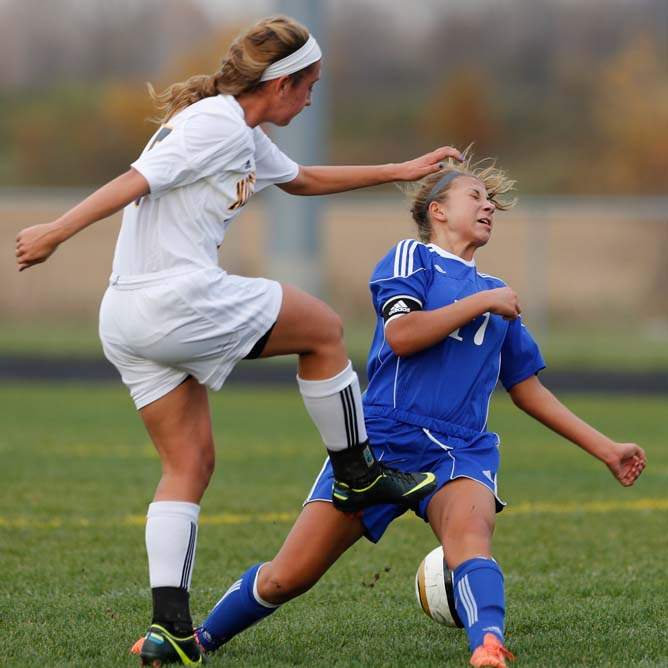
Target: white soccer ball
x,y
434,591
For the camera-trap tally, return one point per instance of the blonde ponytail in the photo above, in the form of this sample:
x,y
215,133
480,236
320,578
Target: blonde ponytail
x,y
249,55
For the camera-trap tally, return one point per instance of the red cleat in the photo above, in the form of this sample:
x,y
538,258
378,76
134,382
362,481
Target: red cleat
x,y
137,647
491,654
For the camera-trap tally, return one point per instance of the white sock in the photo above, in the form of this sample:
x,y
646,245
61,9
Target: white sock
x,y
171,537
335,405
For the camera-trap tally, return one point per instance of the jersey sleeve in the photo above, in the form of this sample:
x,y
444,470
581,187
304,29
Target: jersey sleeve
x,y
203,145
400,281
271,164
520,355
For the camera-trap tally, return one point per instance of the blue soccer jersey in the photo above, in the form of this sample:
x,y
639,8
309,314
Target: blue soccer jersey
x,y
448,385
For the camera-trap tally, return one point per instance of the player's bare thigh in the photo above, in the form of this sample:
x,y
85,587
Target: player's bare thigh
x,y
462,514
317,539
179,425
308,327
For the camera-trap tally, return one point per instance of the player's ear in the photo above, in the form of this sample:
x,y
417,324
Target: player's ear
x,y
277,86
436,211
283,85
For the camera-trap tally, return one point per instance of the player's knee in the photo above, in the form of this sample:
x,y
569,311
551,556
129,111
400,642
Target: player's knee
x,y
207,466
202,468
472,524
478,531
466,544
330,331
193,470
277,585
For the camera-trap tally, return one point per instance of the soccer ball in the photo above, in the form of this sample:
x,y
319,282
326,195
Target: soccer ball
x,y
434,591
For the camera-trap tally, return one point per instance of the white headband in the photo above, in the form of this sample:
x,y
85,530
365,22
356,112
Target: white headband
x,y
301,58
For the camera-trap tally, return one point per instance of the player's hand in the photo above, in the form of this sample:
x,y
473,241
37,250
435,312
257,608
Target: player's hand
x,y
35,244
504,301
415,169
626,462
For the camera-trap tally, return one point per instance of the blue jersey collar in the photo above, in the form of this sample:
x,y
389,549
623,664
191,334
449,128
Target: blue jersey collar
x,y
450,256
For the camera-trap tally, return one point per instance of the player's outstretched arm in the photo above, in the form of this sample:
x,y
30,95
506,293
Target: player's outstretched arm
x,y
626,461
419,330
324,180
35,244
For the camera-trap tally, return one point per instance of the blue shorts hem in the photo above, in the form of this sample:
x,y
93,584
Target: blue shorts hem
x,y
410,448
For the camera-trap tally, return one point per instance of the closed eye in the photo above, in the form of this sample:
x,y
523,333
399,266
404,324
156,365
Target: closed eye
x,y
477,194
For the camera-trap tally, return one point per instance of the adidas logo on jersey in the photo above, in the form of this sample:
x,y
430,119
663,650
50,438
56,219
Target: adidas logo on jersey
x,y
247,164
399,307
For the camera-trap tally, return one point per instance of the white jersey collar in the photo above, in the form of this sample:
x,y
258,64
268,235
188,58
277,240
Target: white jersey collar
x,y
450,256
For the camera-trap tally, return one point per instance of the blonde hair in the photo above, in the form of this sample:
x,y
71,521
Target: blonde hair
x,y
495,180
249,55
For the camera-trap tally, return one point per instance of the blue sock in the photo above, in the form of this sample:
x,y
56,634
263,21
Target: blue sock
x,y
240,607
479,598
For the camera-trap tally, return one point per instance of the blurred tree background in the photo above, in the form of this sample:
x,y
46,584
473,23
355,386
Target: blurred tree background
x,y
573,95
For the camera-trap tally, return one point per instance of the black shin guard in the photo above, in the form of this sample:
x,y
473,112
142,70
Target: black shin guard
x,y
354,465
171,609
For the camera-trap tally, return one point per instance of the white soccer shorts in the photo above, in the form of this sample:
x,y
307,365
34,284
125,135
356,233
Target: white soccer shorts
x,y
157,329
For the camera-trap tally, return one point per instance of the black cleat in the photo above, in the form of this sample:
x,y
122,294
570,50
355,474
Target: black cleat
x,y
361,481
390,486
159,647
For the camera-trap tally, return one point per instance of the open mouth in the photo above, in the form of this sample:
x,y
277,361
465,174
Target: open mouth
x,y
486,221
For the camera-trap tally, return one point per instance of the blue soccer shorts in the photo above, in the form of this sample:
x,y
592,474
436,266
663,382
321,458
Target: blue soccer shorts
x,y
409,448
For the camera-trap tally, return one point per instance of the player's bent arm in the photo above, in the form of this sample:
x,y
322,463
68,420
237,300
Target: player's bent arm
x,y
326,180
35,244
625,460
416,331
413,332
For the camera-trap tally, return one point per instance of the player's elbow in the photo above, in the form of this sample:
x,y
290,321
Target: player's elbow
x,y
399,340
527,394
301,185
291,187
399,350
516,398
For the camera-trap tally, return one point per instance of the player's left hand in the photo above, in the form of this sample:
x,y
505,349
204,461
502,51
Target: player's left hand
x,y
413,170
627,462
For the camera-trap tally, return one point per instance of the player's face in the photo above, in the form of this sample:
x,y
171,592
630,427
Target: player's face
x,y
295,97
469,212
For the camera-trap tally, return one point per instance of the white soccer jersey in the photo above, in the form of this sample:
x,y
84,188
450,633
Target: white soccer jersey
x,y
202,167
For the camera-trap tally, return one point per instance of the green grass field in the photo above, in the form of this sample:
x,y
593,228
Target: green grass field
x,y
584,558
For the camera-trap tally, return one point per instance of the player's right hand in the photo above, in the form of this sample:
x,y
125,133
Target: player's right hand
x,y
35,244
418,168
504,302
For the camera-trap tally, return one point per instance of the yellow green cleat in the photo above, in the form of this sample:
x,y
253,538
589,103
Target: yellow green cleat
x,y
159,647
387,486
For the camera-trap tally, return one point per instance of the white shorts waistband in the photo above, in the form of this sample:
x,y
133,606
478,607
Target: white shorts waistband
x,y
137,281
